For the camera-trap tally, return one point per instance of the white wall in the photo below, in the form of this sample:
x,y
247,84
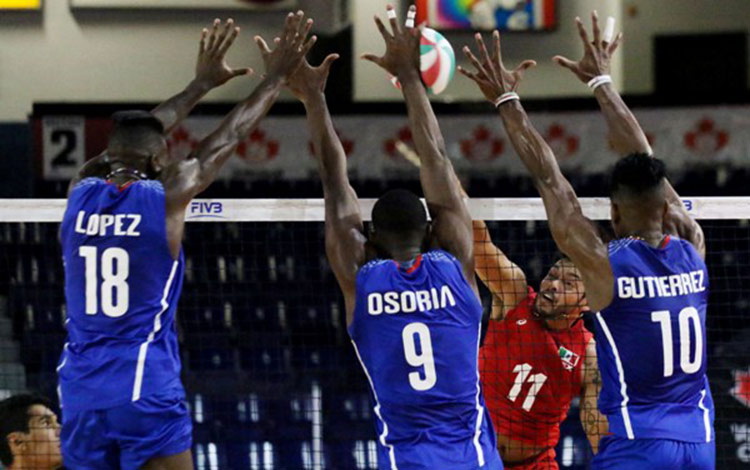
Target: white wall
x,y
147,56
654,17
96,57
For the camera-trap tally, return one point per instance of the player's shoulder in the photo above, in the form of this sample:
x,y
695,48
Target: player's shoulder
x,y
620,246
372,266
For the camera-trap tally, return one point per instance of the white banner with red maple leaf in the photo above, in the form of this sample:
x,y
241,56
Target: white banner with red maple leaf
x,y
477,144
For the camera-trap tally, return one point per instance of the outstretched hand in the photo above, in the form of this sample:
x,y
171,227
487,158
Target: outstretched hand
x,y
309,81
597,54
291,47
491,75
401,46
212,68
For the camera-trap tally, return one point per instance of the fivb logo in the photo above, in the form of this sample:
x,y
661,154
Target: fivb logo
x,y
205,210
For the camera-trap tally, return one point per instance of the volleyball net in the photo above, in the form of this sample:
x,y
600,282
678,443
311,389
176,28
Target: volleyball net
x,y
271,377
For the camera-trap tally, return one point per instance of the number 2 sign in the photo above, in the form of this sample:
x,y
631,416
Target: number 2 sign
x,y
63,148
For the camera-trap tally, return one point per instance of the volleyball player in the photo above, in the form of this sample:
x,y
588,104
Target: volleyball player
x,y
29,434
536,357
412,306
123,403
649,287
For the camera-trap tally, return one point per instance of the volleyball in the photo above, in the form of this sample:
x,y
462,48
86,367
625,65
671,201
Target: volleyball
x,y
437,61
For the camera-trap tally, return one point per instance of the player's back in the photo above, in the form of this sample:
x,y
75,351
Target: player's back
x,y
416,332
651,343
121,288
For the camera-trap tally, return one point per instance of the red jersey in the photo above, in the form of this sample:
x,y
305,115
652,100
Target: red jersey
x,y
530,374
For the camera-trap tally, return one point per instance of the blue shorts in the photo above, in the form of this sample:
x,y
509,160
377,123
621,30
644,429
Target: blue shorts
x,y
619,453
127,436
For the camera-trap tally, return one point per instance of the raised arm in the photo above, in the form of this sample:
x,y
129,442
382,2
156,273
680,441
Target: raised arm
x,y
344,231
504,279
186,179
211,71
625,134
595,424
574,234
451,222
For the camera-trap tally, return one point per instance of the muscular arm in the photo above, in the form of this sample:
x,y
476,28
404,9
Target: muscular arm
x,y
574,234
627,137
505,280
344,231
202,167
451,222
211,71
595,424
174,110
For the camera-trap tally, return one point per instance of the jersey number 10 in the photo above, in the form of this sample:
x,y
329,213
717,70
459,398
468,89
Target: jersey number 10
x,y
688,316
115,292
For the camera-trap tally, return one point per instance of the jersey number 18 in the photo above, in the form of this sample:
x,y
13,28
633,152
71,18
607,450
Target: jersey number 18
x,y
115,292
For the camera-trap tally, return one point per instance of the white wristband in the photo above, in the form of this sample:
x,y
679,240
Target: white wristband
x,y
505,97
598,81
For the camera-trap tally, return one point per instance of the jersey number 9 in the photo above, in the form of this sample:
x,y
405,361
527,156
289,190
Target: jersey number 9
x,y
425,359
115,292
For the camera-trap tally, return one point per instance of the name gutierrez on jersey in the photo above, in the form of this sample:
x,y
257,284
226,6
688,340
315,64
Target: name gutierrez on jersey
x,y
409,301
661,286
124,225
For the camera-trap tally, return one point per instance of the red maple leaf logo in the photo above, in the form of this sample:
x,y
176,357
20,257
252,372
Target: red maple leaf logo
x,y
705,138
180,143
482,146
563,144
741,389
257,148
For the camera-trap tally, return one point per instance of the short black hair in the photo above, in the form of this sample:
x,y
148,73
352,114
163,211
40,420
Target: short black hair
x,y
638,174
135,129
136,118
399,211
14,417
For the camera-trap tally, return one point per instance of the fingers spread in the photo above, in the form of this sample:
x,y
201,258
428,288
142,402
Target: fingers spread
x,y
229,41
308,45
469,55
372,58
381,27
305,30
393,19
204,36
328,61
615,44
264,49
496,44
484,54
565,62
595,28
214,33
584,35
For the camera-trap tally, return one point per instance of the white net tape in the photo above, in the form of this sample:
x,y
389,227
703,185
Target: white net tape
x,y
312,210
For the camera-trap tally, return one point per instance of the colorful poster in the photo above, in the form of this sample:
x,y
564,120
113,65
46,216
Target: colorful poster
x,y
516,15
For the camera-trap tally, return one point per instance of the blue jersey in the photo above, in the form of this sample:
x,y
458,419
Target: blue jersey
x,y
121,289
651,343
416,333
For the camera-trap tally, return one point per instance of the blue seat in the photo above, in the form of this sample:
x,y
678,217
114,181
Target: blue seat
x,y
209,352
264,361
